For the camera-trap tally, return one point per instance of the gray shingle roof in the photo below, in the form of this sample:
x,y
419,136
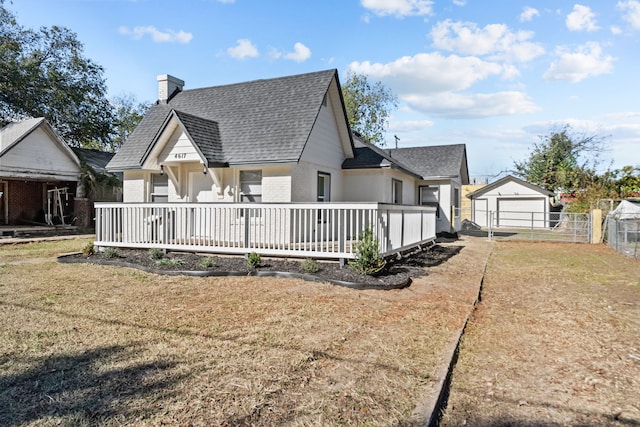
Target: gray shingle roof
x,y
436,161
206,136
262,121
430,162
369,156
96,159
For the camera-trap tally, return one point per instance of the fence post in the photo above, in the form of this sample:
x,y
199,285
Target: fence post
x,y
490,233
596,226
452,225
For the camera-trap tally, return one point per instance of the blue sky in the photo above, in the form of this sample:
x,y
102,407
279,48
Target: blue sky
x,y
491,74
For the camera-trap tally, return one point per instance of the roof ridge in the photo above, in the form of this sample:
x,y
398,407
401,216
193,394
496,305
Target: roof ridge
x,y
332,70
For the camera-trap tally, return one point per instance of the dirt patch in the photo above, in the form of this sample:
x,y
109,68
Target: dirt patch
x,y
554,341
397,273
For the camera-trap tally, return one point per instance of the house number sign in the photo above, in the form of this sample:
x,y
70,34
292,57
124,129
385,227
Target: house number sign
x,y
180,156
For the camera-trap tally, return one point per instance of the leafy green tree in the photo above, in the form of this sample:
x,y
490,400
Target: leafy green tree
x,y
44,73
128,113
563,161
368,106
627,183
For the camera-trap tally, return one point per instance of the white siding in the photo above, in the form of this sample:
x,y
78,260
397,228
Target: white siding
x,y
375,185
133,187
179,149
323,152
276,184
39,156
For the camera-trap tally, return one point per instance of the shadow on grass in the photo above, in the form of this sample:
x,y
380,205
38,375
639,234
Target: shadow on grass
x,y
84,388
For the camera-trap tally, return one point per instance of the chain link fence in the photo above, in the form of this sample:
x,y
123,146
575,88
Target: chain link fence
x,y
624,236
547,226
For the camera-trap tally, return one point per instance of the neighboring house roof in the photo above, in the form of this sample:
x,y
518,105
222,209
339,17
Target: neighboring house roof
x,y
426,163
96,159
13,133
257,122
503,181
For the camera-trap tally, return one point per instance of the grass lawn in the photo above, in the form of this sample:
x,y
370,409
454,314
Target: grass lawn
x,y
95,345
554,342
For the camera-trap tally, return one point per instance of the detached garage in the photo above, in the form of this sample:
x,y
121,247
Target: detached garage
x,y
511,202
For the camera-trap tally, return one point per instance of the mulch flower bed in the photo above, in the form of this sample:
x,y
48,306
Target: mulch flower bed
x,y
396,274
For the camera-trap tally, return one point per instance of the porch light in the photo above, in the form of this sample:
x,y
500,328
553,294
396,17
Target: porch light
x,y
161,169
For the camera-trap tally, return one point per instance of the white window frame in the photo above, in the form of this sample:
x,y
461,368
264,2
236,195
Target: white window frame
x,y
242,183
396,191
153,193
326,187
436,192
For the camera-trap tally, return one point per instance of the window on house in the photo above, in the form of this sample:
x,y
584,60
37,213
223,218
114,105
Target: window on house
x,y
430,196
159,188
456,200
324,187
396,192
251,186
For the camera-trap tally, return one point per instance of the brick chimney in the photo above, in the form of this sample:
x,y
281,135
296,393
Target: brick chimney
x,y
167,85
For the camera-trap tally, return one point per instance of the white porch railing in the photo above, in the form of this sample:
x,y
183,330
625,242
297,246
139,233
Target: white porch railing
x,y
318,230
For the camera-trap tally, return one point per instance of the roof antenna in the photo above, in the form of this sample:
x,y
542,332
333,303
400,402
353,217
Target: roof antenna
x,y
397,139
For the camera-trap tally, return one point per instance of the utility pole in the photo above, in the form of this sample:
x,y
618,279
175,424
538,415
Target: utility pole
x,y
397,139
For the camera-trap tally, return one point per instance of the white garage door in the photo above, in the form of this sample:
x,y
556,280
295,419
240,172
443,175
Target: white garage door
x,y
530,212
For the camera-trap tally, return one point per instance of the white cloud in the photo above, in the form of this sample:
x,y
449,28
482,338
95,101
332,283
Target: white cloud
x,y
459,106
581,19
528,13
300,53
398,8
460,2
243,49
167,36
586,61
615,30
227,1
631,10
494,39
430,73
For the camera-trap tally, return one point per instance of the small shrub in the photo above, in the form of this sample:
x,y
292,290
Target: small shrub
x,y
254,260
111,253
310,265
368,260
88,249
206,262
156,254
169,262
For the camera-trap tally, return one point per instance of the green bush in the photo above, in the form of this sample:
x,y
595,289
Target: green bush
x,y
171,262
206,262
155,253
88,249
110,253
254,260
368,260
310,265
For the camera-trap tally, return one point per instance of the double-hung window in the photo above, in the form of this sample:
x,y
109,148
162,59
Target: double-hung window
x,y
159,188
430,196
251,186
396,191
324,187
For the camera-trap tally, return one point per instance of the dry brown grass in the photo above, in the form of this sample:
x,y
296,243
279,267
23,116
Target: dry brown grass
x,y
553,341
95,345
